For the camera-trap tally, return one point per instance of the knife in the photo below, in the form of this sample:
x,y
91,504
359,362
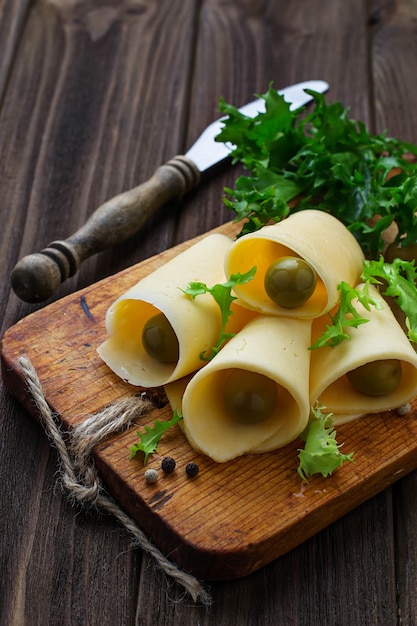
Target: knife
x,y
37,276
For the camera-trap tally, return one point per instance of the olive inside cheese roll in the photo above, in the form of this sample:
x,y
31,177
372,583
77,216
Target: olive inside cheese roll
x,y
253,395
300,262
374,371
157,332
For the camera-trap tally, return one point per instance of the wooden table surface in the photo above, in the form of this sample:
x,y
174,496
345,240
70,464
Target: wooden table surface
x,y
94,95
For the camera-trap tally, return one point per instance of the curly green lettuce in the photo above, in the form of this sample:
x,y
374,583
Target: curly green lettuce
x,y
397,280
321,453
222,294
324,160
346,315
150,438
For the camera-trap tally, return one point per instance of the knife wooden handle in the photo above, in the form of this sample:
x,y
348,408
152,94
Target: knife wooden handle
x,y
37,276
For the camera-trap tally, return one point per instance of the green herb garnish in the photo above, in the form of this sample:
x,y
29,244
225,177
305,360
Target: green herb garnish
x,y
149,440
397,280
222,294
321,453
346,315
326,161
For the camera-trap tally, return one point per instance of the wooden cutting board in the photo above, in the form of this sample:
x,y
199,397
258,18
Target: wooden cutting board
x,y
231,519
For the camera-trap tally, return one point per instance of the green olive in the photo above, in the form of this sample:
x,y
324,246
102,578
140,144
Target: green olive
x,y
377,378
396,251
249,397
290,281
160,340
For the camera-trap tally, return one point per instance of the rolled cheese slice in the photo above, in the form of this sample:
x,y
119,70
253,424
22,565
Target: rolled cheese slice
x,y
315,236
378,339
272,346
196,323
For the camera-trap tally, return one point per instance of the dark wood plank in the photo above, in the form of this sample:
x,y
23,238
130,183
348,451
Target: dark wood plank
x,y
83,117
394,51
12,21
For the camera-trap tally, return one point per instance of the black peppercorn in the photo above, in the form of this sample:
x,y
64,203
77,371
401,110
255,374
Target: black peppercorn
x,y
192,469
168,465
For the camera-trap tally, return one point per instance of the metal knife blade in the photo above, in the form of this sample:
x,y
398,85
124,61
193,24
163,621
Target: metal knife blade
x,y
206,152
37,276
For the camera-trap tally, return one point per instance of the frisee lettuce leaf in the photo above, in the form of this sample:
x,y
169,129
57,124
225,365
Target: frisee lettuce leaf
x,y
397,280
326,161
321,453
222,294
346,315
149,440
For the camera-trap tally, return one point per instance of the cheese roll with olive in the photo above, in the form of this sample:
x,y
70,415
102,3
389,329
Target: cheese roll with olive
x,y
253,395
374,371
157,332
300,261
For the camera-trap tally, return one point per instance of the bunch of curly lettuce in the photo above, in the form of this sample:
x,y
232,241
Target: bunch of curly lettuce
x,y
323,160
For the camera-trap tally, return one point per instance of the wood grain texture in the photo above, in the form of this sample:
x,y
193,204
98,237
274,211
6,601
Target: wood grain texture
x,y
394,48
234,517
94,97
12,20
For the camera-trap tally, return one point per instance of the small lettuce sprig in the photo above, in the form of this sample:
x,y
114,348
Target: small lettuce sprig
x,y
321,453
346,315
397,280
149,440
222,294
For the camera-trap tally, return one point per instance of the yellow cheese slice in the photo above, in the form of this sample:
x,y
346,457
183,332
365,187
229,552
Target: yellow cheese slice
x,y
272,346
197,323
318,238
380,338
175,391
